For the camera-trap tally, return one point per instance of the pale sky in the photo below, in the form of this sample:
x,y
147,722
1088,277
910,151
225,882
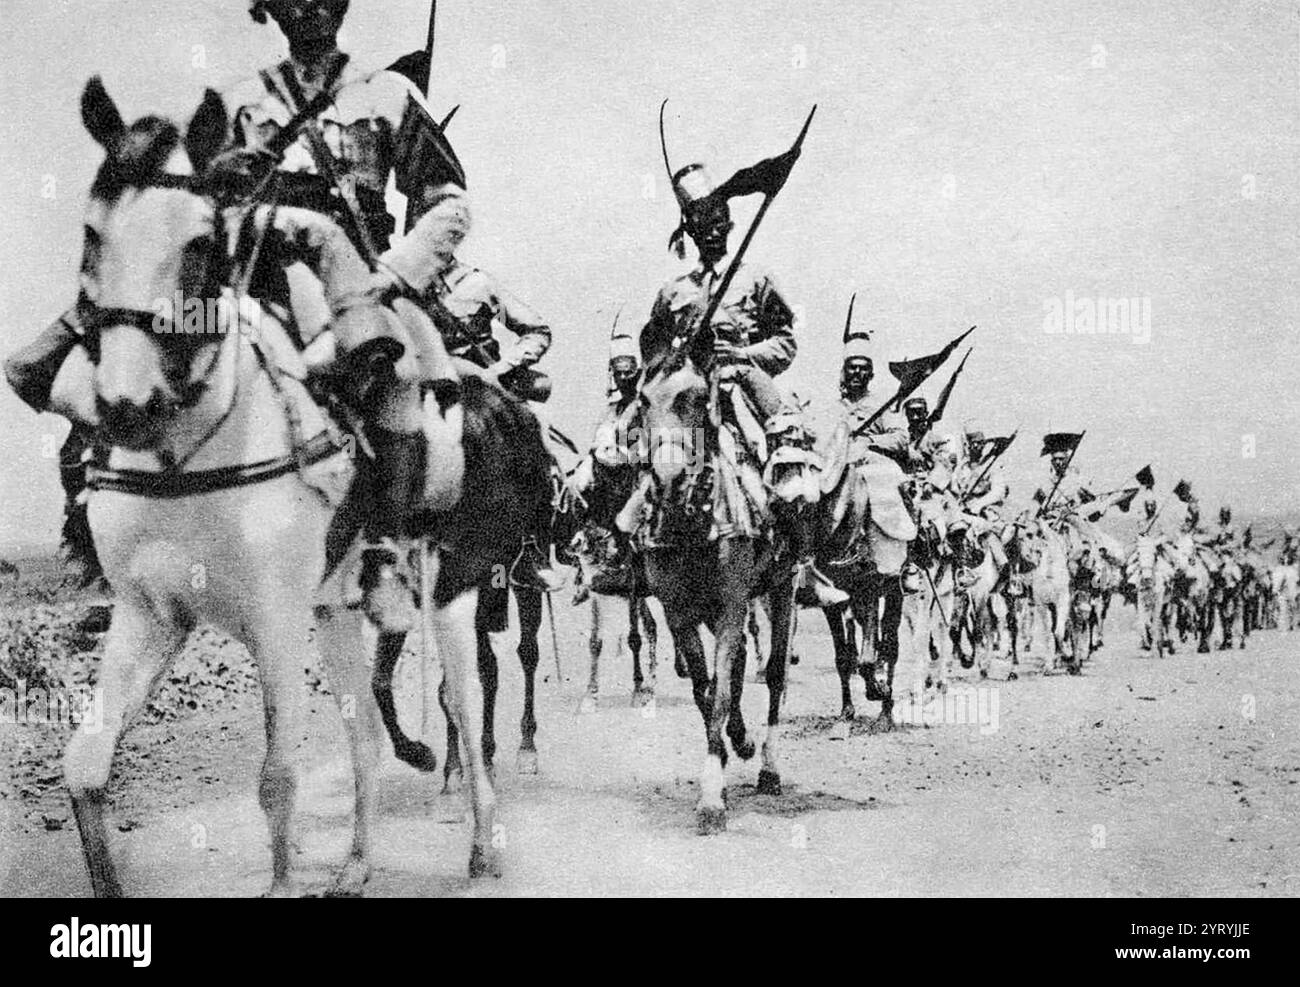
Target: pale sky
x,y
969,163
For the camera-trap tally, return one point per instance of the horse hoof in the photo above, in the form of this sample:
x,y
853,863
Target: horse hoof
x,y
1203,649
643,698
452,783
350,880
744,747
710,821
1012,676
840,731
417,755
984,673
769,783
283,888
483,863
884,723
588,704
526,764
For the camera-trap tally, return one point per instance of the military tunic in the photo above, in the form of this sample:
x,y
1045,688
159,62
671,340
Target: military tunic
x,y
753,316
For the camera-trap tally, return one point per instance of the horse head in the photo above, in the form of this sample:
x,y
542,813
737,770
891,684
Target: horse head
x,y
675,412
152,238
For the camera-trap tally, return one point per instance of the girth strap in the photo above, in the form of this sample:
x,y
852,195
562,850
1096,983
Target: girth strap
x,y
167,486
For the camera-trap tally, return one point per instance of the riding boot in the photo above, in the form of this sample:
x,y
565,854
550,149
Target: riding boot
x,y
387,579
911,578
532,567
812,587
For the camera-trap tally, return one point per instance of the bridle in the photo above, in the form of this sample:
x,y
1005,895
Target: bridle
x,y
228,267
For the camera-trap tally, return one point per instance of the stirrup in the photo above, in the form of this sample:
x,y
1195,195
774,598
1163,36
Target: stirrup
x,y
532,570
814,589
910,578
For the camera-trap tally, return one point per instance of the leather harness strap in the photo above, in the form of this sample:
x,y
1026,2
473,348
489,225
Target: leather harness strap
x,y
171,485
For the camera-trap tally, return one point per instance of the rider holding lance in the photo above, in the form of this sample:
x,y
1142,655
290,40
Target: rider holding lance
x,y
753,342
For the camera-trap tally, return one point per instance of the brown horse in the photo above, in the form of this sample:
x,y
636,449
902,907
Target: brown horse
x,y
862,537
705,570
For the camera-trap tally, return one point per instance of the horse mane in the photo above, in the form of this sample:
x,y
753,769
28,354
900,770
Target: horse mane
x,y
671,359
136,157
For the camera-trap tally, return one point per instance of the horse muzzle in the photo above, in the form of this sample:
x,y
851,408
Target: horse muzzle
x,y
131,423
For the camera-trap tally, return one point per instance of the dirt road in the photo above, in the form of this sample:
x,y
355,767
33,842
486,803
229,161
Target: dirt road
x,y
1142,777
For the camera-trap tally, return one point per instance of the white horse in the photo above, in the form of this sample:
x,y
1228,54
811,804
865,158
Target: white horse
x,y
208,508
1153,573
928,613
1039,552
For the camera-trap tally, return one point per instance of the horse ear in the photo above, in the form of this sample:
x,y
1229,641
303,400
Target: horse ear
x,y
207,131
99,113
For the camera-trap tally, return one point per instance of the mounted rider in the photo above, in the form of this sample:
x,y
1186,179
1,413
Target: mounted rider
x,y
880,451
753,342
609,442
466,303
358,116
982,491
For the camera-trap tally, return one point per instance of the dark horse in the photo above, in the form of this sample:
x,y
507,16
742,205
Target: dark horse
x,y
709,582
511,470
864,559
611,570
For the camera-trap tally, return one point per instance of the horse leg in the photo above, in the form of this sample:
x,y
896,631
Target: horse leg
x,y
529,606
736,731
942,634
640,695
846,662
755,637
453,772
890,619
782,610
278,637
1013,637
387,651
595,644
647,620
488,674
342,637
736,567
138,649
457,635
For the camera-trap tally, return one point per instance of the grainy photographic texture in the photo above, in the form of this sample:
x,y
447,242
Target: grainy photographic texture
x,y
664,448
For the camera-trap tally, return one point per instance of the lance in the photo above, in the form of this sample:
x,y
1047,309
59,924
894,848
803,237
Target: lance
x,y
942,403
988,466
430,37
906,388
1155,517
712,308
1048,499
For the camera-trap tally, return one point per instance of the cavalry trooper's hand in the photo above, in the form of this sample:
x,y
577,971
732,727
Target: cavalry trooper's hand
x,y
527,352
725,351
